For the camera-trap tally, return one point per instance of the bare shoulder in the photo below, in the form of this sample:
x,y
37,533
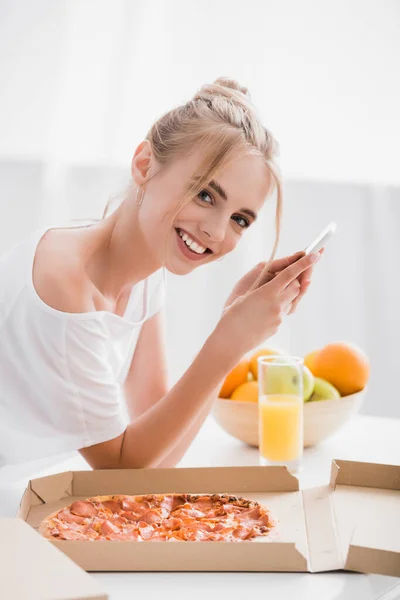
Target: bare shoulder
x,y
59,278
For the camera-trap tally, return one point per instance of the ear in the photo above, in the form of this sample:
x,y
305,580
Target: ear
x,y
141,160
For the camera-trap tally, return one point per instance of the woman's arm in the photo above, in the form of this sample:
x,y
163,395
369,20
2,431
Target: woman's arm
x,y
149,440
147,383
160,436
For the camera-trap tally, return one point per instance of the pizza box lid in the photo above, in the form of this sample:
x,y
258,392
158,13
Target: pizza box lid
x,y
32,568
362,501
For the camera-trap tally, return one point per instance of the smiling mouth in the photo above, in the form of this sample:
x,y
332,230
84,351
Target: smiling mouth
x,y
181,232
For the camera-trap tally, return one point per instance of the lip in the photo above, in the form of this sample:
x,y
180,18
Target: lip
x,y
185,250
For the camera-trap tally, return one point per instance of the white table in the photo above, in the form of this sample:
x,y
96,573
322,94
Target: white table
x,y
364,438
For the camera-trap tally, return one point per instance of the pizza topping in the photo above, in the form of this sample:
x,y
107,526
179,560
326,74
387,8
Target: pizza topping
x,y
152,516
83,508
170,503
158,535
145,530
112,505
130,503
161,517
172,523
66,515
107,527
119,520
188,511
241,532
130,516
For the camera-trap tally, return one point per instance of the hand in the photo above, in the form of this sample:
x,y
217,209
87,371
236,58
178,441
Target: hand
x,y
249,280
249,320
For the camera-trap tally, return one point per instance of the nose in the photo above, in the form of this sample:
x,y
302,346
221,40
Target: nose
x,y
214,229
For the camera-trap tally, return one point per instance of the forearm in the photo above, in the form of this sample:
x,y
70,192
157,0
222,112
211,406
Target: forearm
x,y
150,439
179,450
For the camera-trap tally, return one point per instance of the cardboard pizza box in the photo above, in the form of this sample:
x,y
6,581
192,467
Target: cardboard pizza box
x,y
351,523
32,568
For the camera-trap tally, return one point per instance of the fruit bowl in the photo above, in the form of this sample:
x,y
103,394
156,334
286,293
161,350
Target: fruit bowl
x,y
321,418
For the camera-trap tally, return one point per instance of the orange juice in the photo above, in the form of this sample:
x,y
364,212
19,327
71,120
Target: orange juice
x,y
280,427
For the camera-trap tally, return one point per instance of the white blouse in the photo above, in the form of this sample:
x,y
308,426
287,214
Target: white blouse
x,y
62,374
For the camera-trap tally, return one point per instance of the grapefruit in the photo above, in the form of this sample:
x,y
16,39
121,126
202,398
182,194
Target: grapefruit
x,y
343,365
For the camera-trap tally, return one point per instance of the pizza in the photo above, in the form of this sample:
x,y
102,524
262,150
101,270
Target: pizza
x,y
160,517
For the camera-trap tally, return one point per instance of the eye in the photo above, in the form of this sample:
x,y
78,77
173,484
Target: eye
x,y
206,194
241,221
207,198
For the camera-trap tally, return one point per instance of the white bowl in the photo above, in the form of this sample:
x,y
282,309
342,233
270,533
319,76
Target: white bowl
x,y
322,418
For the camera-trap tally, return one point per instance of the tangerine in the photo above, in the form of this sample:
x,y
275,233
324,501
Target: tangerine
x,y
246,392
237,376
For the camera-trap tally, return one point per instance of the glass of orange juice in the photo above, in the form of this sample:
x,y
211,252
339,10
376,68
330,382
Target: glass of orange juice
x,y
280,411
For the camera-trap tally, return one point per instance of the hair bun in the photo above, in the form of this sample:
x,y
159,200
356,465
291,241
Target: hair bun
x,y
225,87
232,84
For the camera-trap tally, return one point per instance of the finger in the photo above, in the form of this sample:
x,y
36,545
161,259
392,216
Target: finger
x,y
263,275
304,280
282,263
288,309
285,277
270,270
305,276
249,280
290,293
299,297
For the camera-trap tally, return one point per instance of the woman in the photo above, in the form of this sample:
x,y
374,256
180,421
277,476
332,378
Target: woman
x,y
75,343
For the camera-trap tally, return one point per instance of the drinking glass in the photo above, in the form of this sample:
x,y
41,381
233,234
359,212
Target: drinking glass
x,y
280,411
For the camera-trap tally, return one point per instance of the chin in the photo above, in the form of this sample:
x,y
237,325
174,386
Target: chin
x,y
178,268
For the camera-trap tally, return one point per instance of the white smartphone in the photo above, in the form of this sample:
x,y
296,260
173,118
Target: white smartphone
x,y
322,239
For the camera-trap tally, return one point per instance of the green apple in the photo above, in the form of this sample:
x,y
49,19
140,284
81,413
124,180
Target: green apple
x,y
285,380
308,383
323,390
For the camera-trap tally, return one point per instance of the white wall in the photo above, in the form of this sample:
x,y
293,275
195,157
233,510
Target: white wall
x,y
82,81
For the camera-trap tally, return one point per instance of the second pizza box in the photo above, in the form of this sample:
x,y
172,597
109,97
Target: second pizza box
x,y
352,523
32,569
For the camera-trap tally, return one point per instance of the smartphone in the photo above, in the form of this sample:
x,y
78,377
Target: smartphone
x,y
322,239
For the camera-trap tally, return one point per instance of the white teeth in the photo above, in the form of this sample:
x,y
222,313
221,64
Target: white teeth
x,y
191,243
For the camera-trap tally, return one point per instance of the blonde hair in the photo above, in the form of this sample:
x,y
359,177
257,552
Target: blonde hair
x,y
221,120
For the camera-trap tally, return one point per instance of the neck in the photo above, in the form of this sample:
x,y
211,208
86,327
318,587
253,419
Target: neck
x,y
116,255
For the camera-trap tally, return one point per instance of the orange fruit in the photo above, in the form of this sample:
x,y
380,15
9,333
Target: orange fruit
x,y
246,392
344,365
309,360
261,352
237,376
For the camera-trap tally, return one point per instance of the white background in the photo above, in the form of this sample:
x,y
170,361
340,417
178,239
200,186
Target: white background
x,y
83,80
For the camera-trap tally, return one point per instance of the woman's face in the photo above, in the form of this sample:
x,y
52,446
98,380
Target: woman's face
x,y
209,226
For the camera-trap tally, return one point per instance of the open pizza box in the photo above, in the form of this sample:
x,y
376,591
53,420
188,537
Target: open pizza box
x,y
352,523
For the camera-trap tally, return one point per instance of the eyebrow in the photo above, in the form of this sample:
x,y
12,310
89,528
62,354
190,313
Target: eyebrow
x,y
215,185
